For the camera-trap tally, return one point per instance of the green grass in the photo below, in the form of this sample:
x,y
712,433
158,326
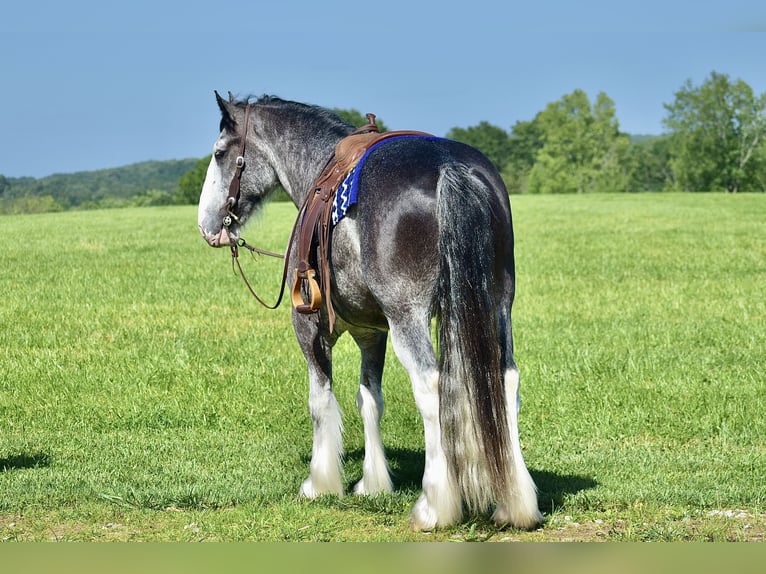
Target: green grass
x,y
144,395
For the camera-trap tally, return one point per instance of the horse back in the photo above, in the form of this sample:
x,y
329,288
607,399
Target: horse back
x,y
396,224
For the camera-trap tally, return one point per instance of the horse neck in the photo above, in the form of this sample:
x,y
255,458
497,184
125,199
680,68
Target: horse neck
x,y
297,150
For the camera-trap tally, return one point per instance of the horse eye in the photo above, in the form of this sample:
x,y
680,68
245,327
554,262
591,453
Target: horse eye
x,y
219,153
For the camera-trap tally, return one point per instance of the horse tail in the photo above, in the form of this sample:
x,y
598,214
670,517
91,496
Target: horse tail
x,y
472,400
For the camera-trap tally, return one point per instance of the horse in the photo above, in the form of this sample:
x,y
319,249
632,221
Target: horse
x,y
428,245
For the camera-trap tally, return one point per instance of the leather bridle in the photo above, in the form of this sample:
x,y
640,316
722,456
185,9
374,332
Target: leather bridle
x,y
234,186
232,201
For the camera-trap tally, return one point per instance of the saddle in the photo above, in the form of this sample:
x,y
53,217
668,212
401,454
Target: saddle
x,y
313,224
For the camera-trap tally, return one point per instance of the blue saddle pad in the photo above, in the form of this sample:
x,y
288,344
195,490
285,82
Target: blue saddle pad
x,y
348,191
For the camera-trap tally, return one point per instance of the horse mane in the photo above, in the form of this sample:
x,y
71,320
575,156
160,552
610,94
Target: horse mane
x,y
308,112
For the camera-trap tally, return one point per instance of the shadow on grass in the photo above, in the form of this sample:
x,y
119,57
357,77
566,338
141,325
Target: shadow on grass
x,y
407,468
406,465
553,488
22,461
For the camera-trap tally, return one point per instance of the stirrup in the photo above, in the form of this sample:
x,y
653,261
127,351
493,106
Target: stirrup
x,y
315,294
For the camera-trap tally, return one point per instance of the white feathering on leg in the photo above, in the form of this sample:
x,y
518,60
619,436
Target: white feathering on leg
x,y
376,477
519,509
326,458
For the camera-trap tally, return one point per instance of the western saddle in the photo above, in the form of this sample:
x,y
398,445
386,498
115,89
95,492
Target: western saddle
x,y
313,223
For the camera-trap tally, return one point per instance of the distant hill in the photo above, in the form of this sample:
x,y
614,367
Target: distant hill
x,y
72,190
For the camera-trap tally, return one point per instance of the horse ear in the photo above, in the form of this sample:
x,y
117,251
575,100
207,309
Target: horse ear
x,y
231,98
227,120
220,101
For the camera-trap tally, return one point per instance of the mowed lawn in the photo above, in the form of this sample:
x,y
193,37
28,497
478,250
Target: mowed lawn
x,y
144,395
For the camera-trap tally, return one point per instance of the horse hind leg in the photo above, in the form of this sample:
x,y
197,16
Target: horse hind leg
x,y
440,503
376,477
518,505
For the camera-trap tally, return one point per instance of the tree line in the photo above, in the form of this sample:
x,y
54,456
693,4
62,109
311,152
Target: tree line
x,y
715,140
140,184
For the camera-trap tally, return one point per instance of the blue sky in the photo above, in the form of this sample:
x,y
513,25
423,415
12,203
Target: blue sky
x,y
95,84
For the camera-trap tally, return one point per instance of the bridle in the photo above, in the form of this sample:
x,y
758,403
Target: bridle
x,y
233,198
232,201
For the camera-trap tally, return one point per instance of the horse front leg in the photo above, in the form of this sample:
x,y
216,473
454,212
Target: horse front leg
x,y
369,401
326,475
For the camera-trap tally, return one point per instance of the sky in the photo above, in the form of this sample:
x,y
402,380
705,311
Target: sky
x,y
87,85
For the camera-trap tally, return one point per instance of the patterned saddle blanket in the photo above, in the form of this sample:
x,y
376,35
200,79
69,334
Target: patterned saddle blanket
x,y
348,190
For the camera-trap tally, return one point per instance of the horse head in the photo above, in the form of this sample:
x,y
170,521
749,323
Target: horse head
x,y
238,177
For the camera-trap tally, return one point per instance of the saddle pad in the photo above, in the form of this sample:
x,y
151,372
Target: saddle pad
x,y
348,191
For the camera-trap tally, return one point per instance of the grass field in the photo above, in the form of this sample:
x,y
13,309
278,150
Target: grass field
x,y
144,395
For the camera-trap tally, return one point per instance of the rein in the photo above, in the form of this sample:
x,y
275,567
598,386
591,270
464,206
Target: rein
x,y
253,250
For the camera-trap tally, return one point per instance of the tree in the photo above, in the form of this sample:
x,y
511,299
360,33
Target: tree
x,y
357,119
648,162
492,141
717,136
152,197
524,144
190,183
582,147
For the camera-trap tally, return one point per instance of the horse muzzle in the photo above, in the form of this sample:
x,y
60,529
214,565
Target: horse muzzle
x,y
226,237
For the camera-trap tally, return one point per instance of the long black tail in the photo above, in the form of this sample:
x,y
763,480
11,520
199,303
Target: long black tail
x,y
472,402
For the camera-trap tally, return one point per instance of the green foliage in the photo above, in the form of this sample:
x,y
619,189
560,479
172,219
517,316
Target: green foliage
x,y
491,140
29,204
102,187
357,119
583,149
190,184
717,141
718,133
525,142
152,197
648,162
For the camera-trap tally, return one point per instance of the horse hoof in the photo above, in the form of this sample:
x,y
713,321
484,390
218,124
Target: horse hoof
x,y
530,520
361,488
308,490
311,489
423,517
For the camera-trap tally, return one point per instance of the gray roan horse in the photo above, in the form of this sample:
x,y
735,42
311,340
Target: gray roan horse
x,y
429,239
